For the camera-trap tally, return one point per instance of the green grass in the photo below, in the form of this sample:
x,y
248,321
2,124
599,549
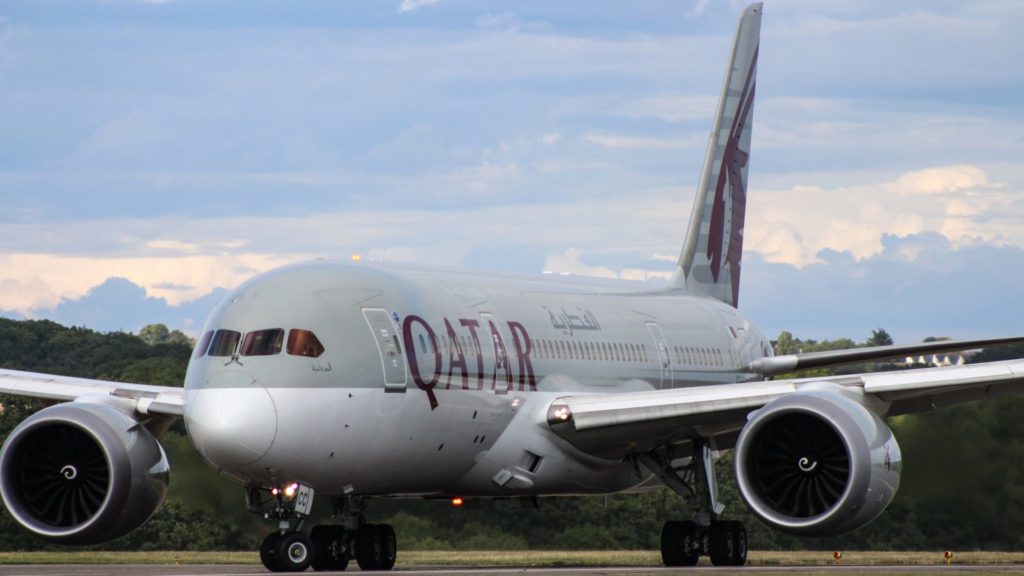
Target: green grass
x,y
540,558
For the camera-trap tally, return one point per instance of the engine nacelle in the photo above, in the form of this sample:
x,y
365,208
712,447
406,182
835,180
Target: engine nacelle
x,y
82,473
817,462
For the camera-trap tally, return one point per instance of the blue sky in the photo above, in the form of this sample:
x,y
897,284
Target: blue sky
x,y
155,153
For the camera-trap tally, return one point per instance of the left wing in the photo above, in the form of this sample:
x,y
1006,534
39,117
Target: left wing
x,y
616,425
142,398
772,365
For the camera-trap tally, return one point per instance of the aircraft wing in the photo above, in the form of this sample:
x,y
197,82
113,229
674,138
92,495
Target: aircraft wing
x,y
615,425
792,362
143,398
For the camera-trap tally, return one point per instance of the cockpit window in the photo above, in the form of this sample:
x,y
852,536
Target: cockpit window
x,y
204,344
224,342
263,342
304,343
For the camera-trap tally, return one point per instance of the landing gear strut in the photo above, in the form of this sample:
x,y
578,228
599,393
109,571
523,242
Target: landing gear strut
x,y
683,543
329,546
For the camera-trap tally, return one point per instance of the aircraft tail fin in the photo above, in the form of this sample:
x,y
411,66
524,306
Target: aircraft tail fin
x,y
710,259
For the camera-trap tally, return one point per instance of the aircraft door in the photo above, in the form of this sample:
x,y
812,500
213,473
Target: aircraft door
x,y
494,343
385,334
663,357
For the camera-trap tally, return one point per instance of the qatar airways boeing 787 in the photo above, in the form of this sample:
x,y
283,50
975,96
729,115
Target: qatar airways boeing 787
x,y
350,381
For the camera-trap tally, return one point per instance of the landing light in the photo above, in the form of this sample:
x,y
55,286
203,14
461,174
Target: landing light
x,y
357,257
457,502
289,491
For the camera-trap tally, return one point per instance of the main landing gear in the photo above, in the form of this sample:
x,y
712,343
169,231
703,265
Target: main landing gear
x,y
328,546
683,543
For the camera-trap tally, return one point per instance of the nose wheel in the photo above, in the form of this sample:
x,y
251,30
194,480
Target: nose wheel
x,y
329,547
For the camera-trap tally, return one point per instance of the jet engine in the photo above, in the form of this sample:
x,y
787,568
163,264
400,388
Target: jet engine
x,y
817,462
82,473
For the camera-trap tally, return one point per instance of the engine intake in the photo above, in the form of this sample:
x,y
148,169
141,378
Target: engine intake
x,y
82,473
817,462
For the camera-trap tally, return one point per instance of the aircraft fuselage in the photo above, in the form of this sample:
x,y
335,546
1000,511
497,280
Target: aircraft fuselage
x,y
428,382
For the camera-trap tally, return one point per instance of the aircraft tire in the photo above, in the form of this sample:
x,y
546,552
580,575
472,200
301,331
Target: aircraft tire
x,y
728,543
329,552
293,552
268,553
678,544
739,536
388,546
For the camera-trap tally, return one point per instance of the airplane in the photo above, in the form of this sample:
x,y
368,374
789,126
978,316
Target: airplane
x,y
355,381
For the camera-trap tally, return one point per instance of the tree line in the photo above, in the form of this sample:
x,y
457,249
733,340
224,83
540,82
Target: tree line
x,y
962,485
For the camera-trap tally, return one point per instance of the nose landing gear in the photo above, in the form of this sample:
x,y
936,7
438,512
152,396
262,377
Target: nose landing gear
x,y
329,547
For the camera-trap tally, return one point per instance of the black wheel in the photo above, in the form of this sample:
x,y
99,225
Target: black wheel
x,y
267,553
329,550
293,552
367,547
388,546
375,547
739,537
723,543
680,544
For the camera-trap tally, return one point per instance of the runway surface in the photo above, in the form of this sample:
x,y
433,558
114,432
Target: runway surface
x,y
229,570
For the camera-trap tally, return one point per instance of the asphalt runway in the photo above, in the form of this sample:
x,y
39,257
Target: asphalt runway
x,y
229,570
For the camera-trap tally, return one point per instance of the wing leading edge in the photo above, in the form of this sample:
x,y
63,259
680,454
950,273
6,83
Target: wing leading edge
x,y
141,398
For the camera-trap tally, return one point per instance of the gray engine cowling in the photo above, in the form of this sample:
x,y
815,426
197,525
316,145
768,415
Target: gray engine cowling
x,y
82,473
817,462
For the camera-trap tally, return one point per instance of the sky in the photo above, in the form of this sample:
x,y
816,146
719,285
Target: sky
x,y
156,153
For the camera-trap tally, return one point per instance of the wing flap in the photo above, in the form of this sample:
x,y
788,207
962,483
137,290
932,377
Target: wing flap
x,y
614,425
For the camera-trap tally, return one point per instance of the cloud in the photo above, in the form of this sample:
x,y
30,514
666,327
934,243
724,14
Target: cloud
x,y
699,7
119,304
793,226
918,285
941,180
620,141
414,5
551,138
673,108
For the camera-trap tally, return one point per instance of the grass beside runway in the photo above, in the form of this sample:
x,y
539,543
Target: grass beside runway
x,y
539,558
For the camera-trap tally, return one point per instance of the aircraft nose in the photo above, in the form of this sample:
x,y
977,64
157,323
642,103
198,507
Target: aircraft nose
x,y
232,419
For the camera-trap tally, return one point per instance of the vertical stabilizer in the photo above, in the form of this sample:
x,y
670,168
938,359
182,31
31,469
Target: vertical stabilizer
x,y
710,259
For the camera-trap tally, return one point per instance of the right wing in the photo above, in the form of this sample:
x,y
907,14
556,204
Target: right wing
x,y
142,398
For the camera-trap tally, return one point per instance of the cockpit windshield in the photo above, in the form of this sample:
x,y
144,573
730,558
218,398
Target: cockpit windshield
x,y
224,343
263,342
304,343
267,342
203,345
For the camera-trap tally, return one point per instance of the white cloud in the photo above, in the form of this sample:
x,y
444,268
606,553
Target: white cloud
x,y
792,226
619,141
673,108
570,262
699,7
941,180
413,5
551,138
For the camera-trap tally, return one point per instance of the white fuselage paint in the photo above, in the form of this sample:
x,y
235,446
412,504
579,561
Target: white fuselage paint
x,y
469,425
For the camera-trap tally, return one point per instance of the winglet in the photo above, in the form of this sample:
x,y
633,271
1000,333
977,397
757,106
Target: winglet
x,y
710,260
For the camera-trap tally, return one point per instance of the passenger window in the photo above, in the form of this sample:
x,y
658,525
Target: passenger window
x,y
263,342
224,342
304,343
204,344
